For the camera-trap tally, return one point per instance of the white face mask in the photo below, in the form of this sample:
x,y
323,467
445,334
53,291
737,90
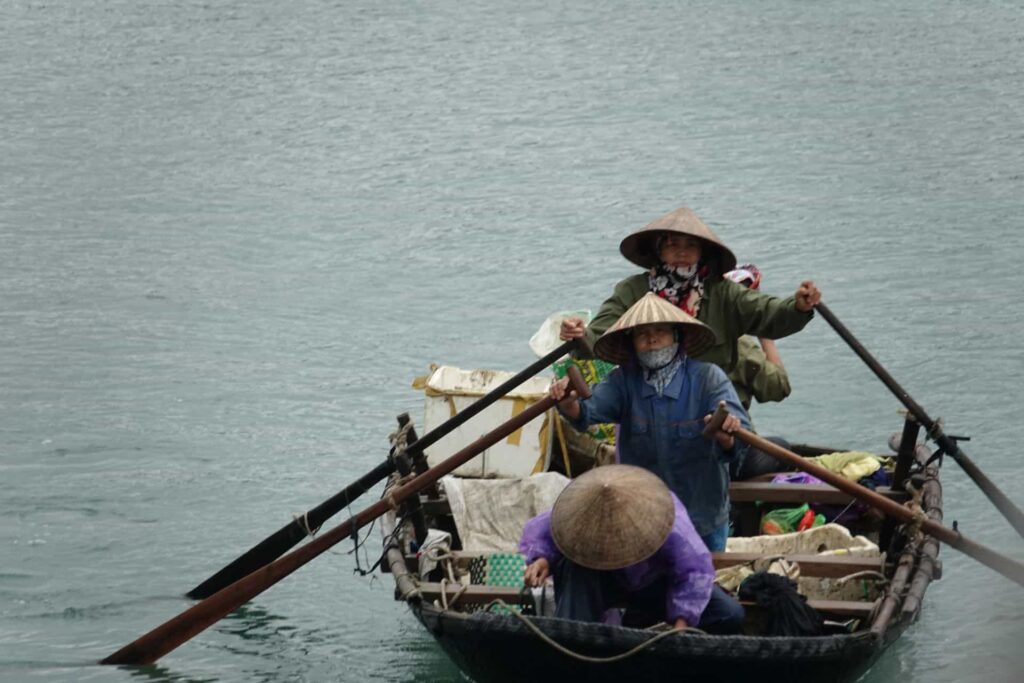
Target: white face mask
x,y
658,358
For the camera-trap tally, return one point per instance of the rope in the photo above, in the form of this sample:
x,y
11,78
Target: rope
x,y
362,542
919,516
399,439
447,562
303,521
914,505
843,511
396,481
856,575
356,542
560,432
414,590
443,558
586,658
444,594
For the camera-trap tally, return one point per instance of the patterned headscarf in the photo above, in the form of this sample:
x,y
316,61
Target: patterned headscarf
x,y
680,285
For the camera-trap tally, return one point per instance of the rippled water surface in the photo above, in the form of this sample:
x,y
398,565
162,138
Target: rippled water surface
x,y
232,233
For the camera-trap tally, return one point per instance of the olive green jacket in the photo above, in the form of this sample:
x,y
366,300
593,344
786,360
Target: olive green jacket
x,y
728,308
757,377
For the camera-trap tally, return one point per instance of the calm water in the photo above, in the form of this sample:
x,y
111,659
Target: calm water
x,y
232,233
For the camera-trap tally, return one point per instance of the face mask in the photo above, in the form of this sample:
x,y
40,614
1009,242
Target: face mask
x,y
658,358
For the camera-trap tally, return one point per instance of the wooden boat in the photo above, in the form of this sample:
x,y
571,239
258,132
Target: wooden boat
x,y
490,643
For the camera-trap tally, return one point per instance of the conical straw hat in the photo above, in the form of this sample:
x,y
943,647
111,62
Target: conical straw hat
x,y
612,517
616,345
639,247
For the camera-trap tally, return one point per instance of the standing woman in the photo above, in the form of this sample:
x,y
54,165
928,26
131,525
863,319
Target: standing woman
x,y
684,262
661,399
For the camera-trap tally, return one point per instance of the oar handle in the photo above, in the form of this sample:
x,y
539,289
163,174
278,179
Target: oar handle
x,y
717,420
578,384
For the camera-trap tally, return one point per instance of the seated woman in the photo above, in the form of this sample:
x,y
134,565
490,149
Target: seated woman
x,y
758,373
684,262
661,398
617,536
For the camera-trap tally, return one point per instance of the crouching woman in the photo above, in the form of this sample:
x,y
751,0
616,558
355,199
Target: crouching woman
x,y
617,537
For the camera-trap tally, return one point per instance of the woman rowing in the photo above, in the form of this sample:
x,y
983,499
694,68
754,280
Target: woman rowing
x,y
661,398
684,262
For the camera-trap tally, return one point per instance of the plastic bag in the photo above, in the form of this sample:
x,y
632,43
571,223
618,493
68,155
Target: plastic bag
x,y
545,339
788,520
788,612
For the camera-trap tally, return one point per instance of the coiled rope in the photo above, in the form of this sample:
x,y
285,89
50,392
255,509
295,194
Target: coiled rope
x,y
587,658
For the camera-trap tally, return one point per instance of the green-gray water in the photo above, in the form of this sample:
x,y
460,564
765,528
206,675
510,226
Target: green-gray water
x,y
232,233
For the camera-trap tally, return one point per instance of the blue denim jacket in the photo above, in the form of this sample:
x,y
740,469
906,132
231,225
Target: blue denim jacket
x,y
663,433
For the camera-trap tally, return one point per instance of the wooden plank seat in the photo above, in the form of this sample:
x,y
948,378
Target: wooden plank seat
x,y
482,595
746,492
826,566
844,609
474,594
765,492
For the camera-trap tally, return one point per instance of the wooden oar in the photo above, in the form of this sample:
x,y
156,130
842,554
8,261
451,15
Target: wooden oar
x,y
199,617
285,538
932,428
1008,567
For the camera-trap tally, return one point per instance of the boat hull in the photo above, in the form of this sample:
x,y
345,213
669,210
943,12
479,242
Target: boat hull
x,y
494,648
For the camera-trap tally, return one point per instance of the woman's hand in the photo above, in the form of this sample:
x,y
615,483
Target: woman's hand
x,y
724,436
536,573
681,623
571,328
807,296
567,400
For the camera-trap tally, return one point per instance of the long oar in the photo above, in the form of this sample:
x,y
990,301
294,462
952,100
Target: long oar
x,y
1008,567
197,618
933,429
285,538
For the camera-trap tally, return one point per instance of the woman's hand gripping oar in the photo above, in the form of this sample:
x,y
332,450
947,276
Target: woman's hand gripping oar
x,y
200,616
1008,567
932,428
285,538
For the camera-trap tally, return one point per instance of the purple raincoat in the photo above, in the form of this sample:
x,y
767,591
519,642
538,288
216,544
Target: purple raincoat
x,y
683,560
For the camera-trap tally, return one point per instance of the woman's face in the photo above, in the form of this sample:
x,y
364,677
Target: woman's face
x,y
652,337
679,250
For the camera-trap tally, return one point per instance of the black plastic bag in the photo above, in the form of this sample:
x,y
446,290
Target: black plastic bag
x,y
788,611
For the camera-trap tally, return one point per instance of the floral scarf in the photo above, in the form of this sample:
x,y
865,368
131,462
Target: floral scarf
x,y
679,285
